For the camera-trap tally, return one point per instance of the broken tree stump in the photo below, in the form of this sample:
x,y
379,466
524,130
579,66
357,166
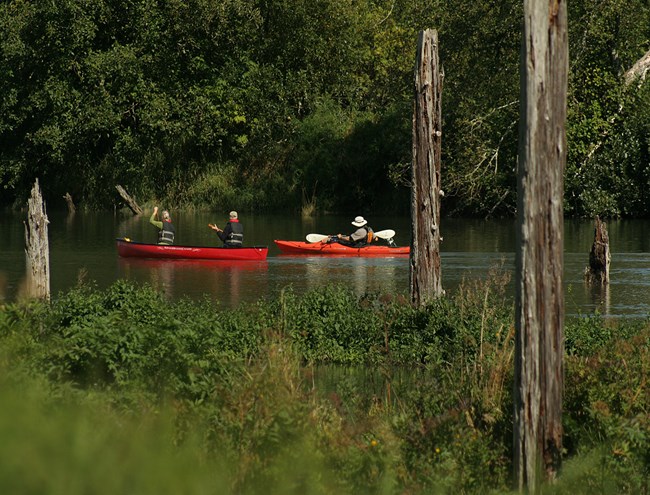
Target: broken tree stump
x,y
597,272
130,202
70,203
37,249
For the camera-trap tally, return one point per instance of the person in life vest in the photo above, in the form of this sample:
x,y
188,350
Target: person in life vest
x,y
166,228
360,237
232,234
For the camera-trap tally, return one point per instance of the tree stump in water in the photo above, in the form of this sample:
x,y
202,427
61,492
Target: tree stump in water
x,y
37,248
130,202
68,200
599,257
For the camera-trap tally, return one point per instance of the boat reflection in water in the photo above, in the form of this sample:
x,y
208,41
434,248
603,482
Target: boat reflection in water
x,y
219,280
361,274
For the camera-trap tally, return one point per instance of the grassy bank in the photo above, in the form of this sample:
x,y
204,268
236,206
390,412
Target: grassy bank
x,y
119,391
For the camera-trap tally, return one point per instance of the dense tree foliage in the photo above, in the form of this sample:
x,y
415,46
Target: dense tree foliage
x,y
261,104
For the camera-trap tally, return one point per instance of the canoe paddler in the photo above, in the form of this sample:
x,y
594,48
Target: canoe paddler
x,y
360,237
232,235
166,230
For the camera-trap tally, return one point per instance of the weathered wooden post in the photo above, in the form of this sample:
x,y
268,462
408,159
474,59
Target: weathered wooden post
x,y
539,257
424,274
37,249
597,272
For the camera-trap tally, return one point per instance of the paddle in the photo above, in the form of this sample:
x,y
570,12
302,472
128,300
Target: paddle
x,y
385,234
382,234
316,237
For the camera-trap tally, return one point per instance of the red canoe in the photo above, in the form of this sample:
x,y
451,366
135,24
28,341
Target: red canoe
x,y
298,247
127,248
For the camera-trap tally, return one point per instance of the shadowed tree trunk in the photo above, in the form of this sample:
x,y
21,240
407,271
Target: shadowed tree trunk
x,y
539,295
424,274
37,249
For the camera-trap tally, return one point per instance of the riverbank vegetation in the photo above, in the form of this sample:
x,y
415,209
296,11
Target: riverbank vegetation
x,y
120,390
257,105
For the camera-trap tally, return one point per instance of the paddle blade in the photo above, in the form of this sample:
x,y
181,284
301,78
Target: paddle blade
x,y
385,234
316,237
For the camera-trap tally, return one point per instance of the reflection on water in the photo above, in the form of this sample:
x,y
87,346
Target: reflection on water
x,y
225,280
84,243
363,275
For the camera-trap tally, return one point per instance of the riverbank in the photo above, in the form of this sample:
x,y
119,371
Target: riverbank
x,y
326,392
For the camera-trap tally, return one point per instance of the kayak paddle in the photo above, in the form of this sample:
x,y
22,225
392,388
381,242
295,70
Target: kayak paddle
x,y
385,234
316,237
382,234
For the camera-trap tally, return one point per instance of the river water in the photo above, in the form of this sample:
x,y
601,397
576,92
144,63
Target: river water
x,y
82,247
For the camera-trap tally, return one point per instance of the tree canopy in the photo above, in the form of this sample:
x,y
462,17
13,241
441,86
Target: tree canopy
x,y
259,104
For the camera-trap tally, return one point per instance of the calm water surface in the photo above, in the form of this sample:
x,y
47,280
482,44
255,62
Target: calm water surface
x,y
82,246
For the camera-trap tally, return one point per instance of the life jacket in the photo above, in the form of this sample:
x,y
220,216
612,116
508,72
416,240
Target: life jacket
x,y
166,234
236,236
370,235
368,239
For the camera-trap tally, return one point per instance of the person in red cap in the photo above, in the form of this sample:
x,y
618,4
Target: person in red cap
x,y
232,235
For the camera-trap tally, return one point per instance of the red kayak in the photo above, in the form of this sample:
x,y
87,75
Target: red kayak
x,y
127,248
299,247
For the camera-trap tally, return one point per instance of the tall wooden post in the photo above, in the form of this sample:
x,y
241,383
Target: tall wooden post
x,y
539,258
37,248
424,274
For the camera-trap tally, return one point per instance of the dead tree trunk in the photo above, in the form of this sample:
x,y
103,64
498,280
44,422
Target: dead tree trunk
x,y
599,257
130,202
539,293
70,203
639,69
37,249
424,274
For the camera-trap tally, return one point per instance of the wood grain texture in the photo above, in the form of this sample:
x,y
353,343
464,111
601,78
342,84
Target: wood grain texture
x,y
424,268
37,249
539,304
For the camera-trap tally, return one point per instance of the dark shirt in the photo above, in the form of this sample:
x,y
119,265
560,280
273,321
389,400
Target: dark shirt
x,y
232,234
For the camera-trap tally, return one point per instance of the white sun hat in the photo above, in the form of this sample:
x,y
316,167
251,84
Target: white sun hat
x,y
359,221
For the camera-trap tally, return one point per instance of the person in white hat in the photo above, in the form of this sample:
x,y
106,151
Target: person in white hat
x,y
232,235
360,237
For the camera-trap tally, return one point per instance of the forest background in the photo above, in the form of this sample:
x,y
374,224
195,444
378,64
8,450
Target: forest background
x,y
271,104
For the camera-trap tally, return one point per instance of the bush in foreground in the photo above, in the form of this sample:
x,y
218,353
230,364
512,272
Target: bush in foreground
x,y
321,393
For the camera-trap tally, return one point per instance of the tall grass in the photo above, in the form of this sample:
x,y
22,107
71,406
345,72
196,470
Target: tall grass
x,y
321,393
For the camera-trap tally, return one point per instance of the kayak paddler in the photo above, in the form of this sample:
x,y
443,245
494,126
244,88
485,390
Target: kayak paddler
x,y
360,237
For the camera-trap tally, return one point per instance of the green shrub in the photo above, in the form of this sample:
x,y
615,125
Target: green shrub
x,y
321,393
